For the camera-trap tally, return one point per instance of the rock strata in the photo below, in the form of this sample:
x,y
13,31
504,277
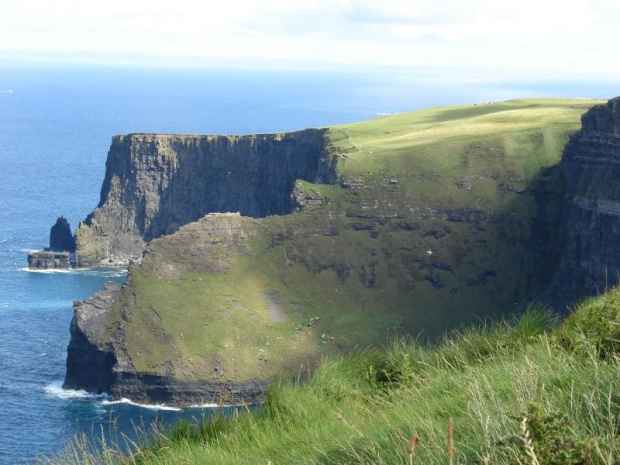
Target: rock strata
x,y
591,166
156,183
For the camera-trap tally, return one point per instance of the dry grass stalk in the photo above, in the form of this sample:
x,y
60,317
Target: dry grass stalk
x,y
450,444
528,443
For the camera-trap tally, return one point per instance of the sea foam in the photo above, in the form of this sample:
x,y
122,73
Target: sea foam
x,y
146,406
45,270
55,389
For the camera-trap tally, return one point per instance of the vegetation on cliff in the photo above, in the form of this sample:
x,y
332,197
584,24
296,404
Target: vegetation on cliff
x,y
440,217
514,392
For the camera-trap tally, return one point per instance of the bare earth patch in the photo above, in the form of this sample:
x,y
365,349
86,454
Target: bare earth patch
x,y
274,304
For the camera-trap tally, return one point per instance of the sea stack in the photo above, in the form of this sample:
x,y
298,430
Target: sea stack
x,y
61,239
60,252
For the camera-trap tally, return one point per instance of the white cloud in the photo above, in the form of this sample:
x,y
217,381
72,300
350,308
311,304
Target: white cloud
x,y
533,35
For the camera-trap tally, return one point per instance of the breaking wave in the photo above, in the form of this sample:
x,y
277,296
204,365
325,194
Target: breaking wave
x,y
146,406
55,389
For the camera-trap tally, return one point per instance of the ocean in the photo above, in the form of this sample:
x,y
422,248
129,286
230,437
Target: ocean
x,y
56,123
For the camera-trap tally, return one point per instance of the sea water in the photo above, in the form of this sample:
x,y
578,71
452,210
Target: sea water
x,y
55,129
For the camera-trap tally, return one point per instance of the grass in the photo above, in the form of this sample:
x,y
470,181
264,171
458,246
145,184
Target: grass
x,y
462,183
513,391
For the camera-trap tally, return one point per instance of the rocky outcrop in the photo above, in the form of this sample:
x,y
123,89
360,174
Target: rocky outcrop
x,y
98,362
60,252
591,166
155,184
61,237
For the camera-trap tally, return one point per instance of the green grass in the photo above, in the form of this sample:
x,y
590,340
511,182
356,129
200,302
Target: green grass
x,y
364,407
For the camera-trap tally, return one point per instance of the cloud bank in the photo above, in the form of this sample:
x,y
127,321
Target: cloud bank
x,y
526,36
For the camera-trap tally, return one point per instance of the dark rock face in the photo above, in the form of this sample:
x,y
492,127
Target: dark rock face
x,y
89,361
96,364
61,238
591,166
155,184
153,388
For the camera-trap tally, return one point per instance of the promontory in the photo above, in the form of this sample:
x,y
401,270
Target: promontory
x,y
251,257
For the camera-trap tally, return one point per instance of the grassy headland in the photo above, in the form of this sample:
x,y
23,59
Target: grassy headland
x,y
441,217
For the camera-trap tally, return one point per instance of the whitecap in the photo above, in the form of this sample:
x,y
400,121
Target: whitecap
x,y
55,389
147,406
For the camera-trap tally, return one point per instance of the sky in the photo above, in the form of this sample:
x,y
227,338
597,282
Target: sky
x,y
573,37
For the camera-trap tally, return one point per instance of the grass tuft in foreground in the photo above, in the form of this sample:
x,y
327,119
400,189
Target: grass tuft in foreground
x,y
521,392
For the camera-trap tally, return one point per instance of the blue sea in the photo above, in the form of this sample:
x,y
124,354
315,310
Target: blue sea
x,y
56,123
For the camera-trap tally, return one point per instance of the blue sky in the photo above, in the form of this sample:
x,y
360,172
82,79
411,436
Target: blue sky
x,y
531,37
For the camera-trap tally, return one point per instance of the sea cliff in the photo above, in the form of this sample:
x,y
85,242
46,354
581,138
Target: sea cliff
x,y
591,167
335,238
156,183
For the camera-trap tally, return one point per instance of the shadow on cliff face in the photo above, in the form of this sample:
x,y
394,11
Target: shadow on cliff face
x,y
548,233
252,175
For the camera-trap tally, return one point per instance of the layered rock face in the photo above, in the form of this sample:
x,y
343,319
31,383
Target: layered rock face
x,y
155,184
591,165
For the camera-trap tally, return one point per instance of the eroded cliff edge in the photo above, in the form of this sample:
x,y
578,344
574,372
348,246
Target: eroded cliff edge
x,y
156,183
439,218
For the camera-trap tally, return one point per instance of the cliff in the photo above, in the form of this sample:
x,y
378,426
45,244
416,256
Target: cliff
x,y
438,218
591,167
155,184
101,364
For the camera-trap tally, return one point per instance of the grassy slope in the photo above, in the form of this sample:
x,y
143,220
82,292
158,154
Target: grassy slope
x,y
458,181
364,408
